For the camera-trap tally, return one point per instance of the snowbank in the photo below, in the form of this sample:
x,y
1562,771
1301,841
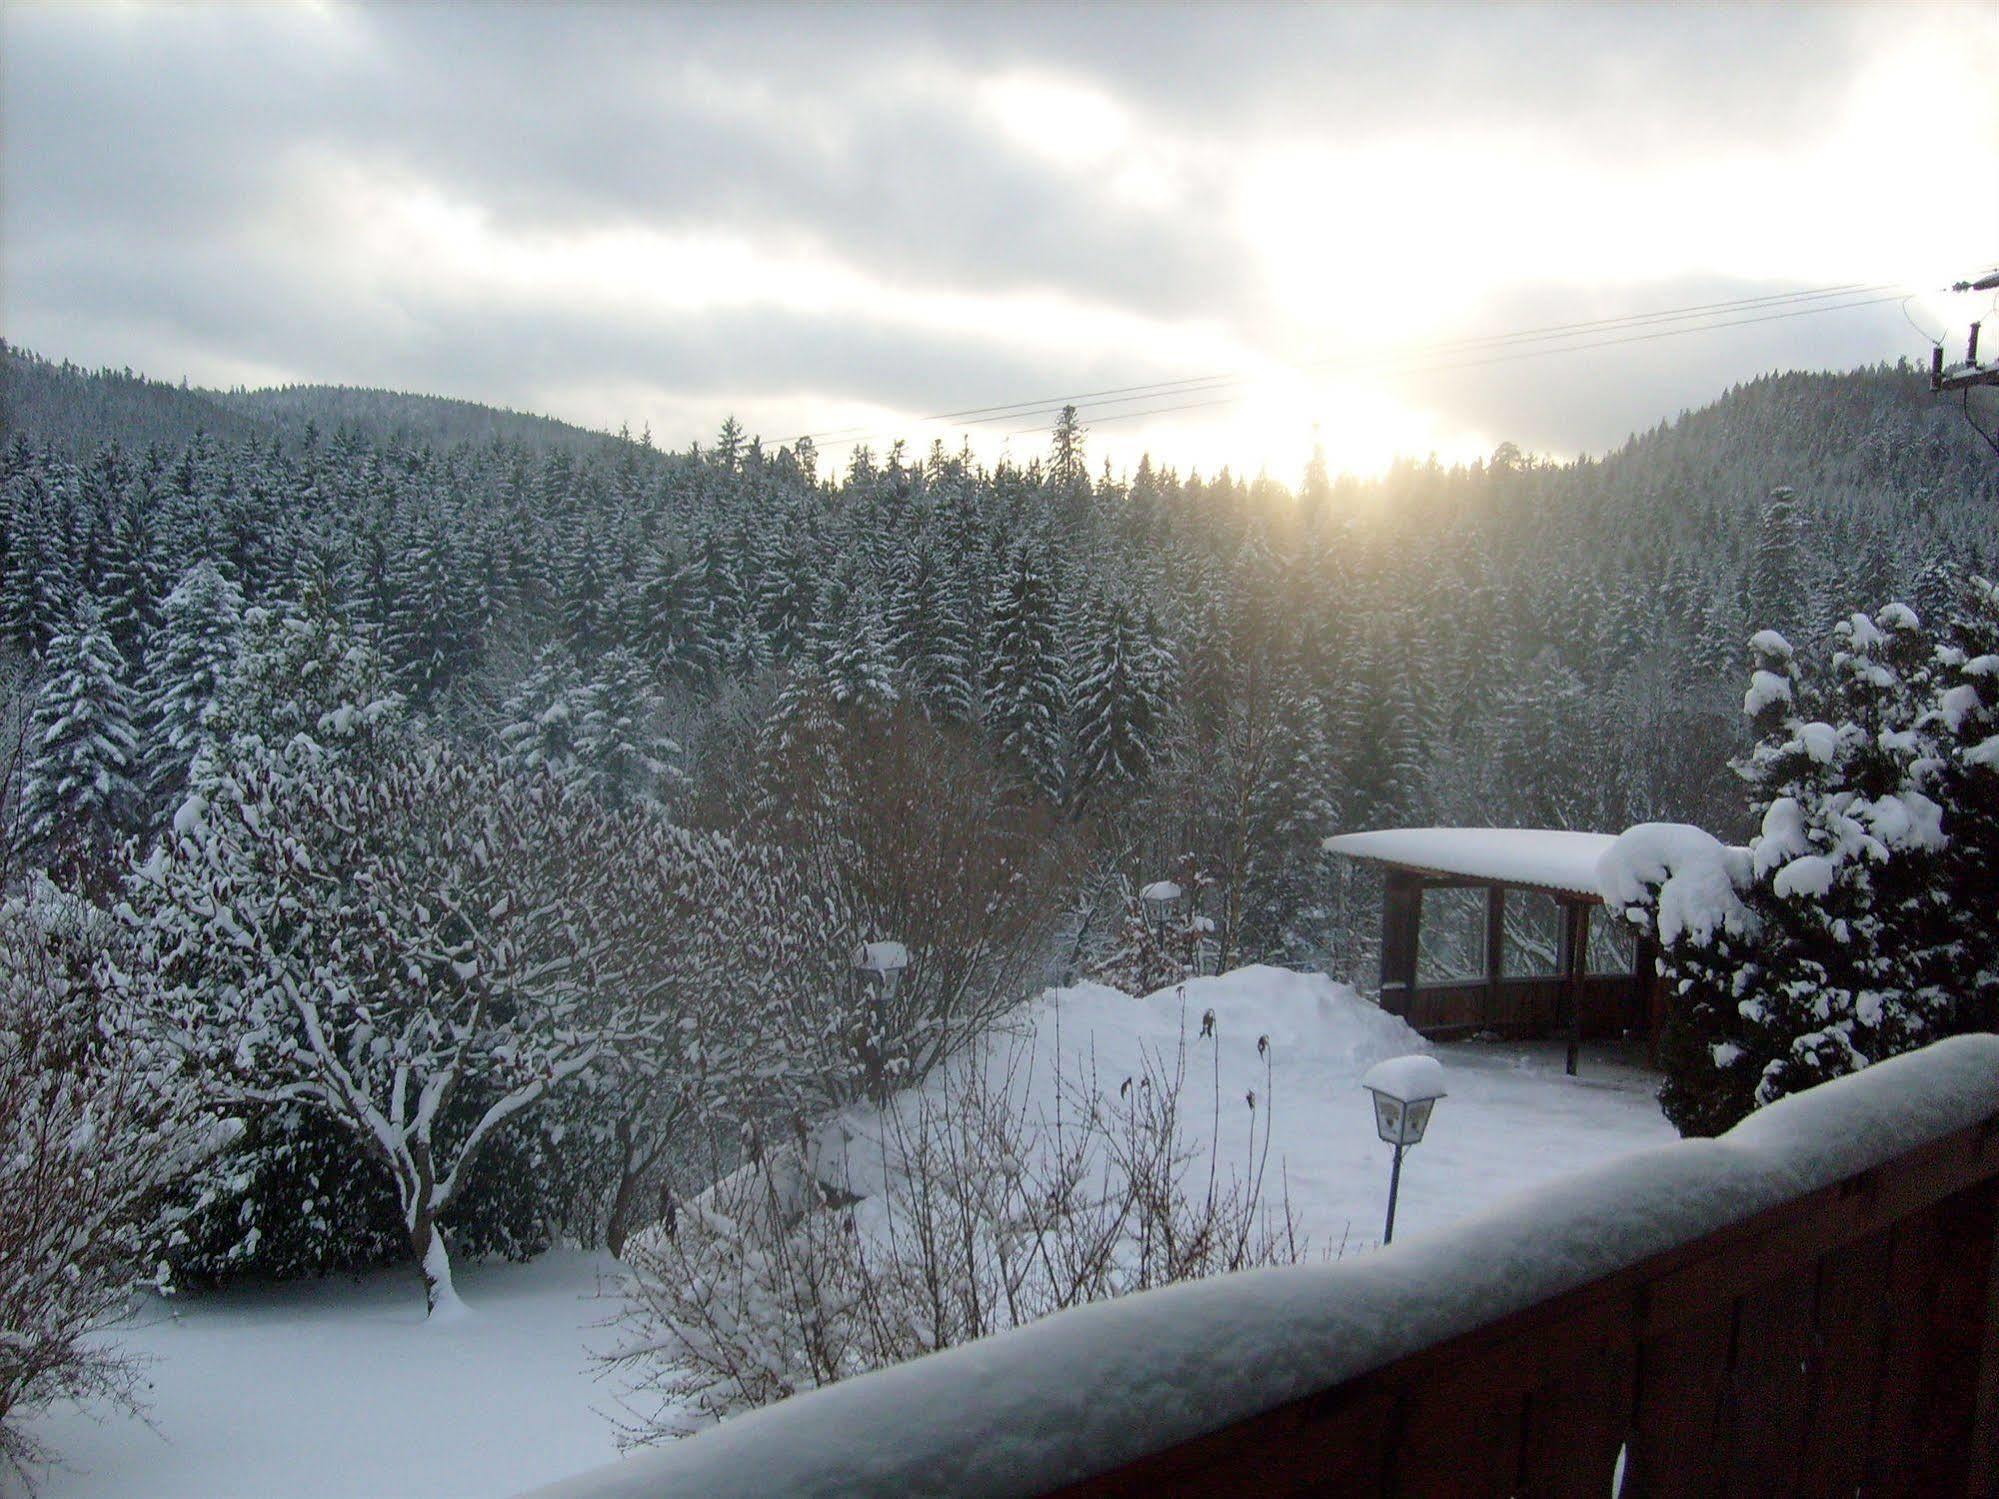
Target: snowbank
x,y
1108,1383
1300,1034
1528,856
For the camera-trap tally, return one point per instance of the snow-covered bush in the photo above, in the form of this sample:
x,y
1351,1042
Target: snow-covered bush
x,y
953,1213
1964,723
1858,922
95,1121
414,948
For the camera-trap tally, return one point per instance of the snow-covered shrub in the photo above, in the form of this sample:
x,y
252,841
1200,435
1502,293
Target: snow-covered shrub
x,y
953,1213
1858,922
95,1122
1964,722
414,947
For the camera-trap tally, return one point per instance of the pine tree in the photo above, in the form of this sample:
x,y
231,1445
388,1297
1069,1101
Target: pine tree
x,y
851,642
38,587
1844,954
1120,706
134,577
622,757
77,790
1025,701
192,655
1965,724
669,623
1775,586
432,631
932,637
542,717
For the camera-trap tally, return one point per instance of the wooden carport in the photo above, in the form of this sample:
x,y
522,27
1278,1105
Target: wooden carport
x,y
1571,1001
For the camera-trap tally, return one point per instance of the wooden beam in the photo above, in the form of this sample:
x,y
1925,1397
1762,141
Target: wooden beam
x,y
1651,991
1495,945
1401,925
1575,958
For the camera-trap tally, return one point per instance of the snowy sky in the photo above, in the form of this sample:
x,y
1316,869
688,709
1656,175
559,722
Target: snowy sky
x,y
853,218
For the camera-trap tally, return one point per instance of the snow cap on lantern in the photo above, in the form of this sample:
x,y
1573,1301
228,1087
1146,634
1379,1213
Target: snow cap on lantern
x,y
1405,1090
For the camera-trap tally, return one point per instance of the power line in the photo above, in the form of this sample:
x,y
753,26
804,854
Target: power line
x,y
1496,340
984,415
1549,331
1405,365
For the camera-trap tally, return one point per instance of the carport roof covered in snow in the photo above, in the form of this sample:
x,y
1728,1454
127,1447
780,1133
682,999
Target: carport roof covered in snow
x,y
1533,858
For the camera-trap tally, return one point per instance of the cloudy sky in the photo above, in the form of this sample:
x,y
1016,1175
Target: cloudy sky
x,y
849,221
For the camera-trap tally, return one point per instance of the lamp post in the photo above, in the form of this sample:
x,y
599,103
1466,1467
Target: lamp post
x,y
1158,900
1406,1090
877,965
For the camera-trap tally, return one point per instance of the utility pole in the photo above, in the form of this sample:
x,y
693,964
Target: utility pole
x,y
1968,372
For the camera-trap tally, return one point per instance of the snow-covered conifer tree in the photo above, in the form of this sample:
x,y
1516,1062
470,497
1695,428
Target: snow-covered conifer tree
x,y
930,631
77,791
1025,699
133,576
852,642
1838,953
622,755
1964,725
38,577
191,656
542,716
1775,589
1120,705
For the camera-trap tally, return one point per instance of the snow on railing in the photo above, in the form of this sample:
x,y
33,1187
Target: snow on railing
x,y
1107,1385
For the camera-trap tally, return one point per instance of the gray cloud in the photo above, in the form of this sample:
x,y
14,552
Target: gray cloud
x,y
148,156
1590,400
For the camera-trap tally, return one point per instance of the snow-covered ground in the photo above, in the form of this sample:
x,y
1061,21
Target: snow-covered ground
x,y
340,1389
1512,1118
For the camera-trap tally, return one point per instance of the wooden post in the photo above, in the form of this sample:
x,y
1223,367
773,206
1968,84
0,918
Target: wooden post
x,y
1575,960
1495,947
1651,992
1401,923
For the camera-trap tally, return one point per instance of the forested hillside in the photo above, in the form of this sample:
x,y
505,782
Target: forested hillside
x,y
73,408
560,781
1175,663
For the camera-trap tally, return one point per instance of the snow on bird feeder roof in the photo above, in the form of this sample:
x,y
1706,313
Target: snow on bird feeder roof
x,y
1541,857
1410,1079
881,957
1162,892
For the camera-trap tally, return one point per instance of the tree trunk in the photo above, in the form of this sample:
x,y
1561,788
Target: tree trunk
x,y
434,1262
624,1206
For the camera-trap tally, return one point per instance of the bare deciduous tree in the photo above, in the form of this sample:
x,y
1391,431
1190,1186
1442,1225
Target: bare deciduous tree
x,y
973,1211
94,1122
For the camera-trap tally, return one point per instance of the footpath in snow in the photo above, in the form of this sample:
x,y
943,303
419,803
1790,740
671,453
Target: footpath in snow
x,y
338,1388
